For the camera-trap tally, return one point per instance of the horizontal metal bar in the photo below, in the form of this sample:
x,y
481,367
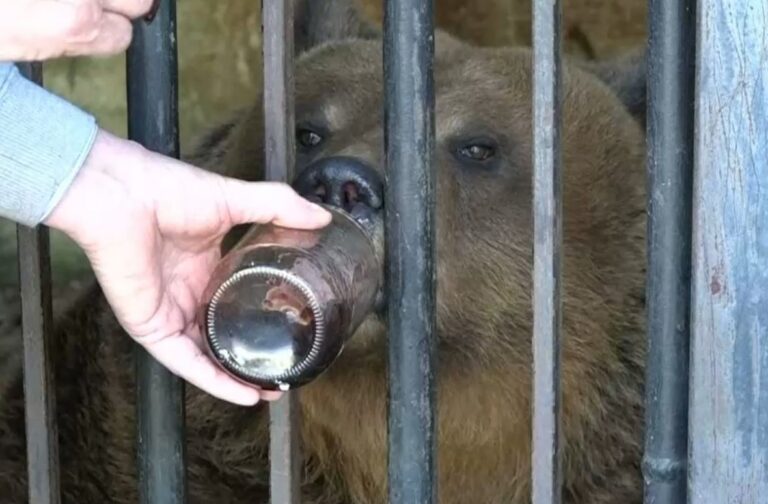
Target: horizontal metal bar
x,y
153,122
37,325
279,132
728,420
410,231
671,67
547,248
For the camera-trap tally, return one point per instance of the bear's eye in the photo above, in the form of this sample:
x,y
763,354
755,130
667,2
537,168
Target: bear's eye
x,y
308,139
478,152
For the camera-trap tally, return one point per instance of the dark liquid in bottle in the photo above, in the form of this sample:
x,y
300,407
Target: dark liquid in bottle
x,y
281,305
262,325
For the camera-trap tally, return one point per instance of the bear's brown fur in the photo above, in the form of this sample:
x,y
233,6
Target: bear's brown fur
x,y
484,247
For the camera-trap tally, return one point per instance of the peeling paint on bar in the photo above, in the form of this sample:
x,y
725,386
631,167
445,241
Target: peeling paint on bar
x,y
729,312
547,248
153,122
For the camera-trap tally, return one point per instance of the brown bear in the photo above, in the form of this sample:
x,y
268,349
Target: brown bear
x,y
484,260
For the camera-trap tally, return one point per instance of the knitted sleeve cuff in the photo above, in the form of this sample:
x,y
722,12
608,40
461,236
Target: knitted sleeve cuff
x,y
44,141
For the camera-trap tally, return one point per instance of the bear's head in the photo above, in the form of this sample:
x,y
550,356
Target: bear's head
x,y
484,251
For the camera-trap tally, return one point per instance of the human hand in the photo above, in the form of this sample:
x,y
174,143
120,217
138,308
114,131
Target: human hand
x,y
151,227
36,30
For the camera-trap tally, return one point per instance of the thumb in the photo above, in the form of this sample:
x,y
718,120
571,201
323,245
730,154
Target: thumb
x,y
271,202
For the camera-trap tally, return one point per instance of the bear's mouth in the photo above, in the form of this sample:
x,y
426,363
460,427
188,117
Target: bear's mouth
x,y
354,187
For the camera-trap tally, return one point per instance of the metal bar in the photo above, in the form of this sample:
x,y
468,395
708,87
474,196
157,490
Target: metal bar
x,y
547,247
279,129
153,122
36,320
409,147
728,421
279,133
671,67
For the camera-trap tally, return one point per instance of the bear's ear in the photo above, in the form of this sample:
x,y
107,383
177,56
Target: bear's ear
x,y
626,75
320,21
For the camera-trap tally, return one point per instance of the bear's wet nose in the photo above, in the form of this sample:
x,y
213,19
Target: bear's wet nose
x,y
342,182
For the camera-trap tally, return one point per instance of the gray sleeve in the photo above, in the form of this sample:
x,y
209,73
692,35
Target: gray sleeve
x,y
44,141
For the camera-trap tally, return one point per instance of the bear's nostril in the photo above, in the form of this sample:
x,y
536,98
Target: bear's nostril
x,y
341,182
321,191
351,193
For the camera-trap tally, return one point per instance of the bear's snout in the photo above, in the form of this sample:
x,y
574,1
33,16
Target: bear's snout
x,y
344,182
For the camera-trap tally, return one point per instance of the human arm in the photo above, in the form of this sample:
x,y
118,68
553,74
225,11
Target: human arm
x,y
43,142
150,225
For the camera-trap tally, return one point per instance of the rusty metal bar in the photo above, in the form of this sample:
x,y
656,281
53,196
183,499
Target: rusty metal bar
x,y
279,133
409,147
153,122
36,320
671,69
547,249
728,423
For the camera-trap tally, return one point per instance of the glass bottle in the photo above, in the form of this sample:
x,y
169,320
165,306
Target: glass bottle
x,y
281,304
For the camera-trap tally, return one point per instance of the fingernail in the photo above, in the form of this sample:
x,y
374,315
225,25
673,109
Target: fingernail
x,y
317,209
272,395
252,401
248,396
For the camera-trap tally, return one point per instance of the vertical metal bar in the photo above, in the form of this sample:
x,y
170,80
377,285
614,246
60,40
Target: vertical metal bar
x,y
729,310
153,122
36,319
279,132
32,71
671,68
409,145
547,206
